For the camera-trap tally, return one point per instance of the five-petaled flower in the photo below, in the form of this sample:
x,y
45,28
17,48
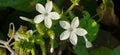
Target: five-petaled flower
x,y
46,14
71,31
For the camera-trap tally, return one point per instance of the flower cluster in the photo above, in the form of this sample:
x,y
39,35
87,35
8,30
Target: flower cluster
x,y
71,30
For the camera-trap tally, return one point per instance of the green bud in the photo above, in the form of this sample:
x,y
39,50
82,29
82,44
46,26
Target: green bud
x,y
51,34
39,29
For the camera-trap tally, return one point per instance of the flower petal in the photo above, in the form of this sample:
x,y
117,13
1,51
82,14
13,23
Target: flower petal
x,y
48,22
64,35
75,22
38,19
48,6
80,31
40,8
73,38
64,24
54,15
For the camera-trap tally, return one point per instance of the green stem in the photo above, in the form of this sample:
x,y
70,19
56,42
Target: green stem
x,y
55,8
21,52
33,51
70,8
42,46
43,50
103,12
48,0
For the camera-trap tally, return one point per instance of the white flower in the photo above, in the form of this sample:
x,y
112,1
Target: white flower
x,y
46,14
71,31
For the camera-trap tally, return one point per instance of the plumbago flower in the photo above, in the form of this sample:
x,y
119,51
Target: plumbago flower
x,y
46,14
71,31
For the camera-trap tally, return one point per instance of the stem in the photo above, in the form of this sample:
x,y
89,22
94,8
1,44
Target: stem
x,y
85,38
13,31
33,51
2,46
52,45
55,8
60,52
103,12
2,42
42,46
70,8
21,52
6,45
10,40
12,52
48,0
43,49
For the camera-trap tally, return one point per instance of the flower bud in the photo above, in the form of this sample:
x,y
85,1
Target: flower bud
x,y
51,34
88,44
51,50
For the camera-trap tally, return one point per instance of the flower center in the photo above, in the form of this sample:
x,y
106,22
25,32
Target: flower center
x,y
46,14
70,29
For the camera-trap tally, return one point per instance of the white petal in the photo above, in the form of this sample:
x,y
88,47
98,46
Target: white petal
x,y
38,18
48,6
54,15
40,8
80,31
48,22
64,24
75,22
64,35
73,38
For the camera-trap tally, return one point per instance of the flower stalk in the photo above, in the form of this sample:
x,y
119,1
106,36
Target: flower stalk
x,y
33,51
74,3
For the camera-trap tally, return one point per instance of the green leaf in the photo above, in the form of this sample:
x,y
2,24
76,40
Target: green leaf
x,y
101,51
90,6
90,25
59,3
24,5
116,51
